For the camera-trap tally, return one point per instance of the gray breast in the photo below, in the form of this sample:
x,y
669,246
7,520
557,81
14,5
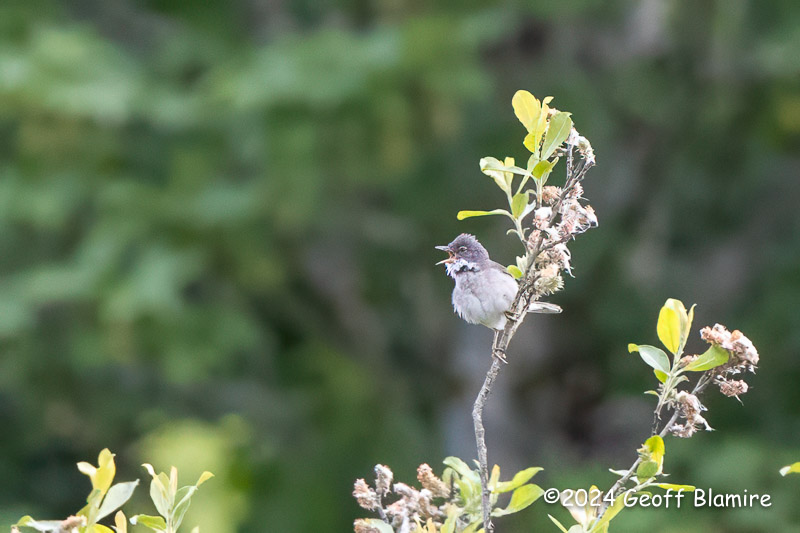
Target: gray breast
x,y
483,296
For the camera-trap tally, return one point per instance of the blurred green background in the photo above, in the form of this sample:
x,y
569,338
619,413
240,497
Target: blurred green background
x,y
217,223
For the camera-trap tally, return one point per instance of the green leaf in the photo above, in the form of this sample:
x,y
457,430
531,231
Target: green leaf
x,y
660,376
205,476
655,357
494,477
501,178
116,497
459,466
791,469
688,328
156,523
532,142
449,525
557,133
609,514
473,527
684,319
519,203
711,358
656,449
542,168
492,164
646,470
39,525
520,499
669,329
527,108
514,271
557,523
469,214
158,491
183,499
519,479
685,488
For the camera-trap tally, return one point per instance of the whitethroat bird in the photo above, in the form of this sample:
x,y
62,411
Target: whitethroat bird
x,y
484,289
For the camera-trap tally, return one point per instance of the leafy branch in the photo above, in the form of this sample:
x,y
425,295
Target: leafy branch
x,y
558,216
106,498
729,355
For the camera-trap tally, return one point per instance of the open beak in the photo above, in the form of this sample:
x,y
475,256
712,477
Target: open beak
x,y
450,256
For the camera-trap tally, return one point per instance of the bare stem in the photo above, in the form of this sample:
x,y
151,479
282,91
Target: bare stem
x,y
480,439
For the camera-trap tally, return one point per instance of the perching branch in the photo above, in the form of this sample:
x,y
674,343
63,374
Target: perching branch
x,y
545,261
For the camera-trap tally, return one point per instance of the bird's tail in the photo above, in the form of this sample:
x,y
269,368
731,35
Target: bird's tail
x,y
544,307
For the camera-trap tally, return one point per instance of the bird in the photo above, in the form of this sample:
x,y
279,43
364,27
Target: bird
x,y
484,289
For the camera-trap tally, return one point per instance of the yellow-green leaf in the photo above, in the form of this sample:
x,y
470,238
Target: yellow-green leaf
x,y
494,477
685,488
103,475
609,514
532,142
655,446
646,470
655,357
684,318
557,133
543,168
557,523
514,271
519,203
205,476
711,358
527,108
153,522
791,469
492,169
469,214
519,479
520,499
669,329
660,376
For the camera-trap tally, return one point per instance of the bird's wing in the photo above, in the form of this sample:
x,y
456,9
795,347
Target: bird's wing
x,y
494,265
535,307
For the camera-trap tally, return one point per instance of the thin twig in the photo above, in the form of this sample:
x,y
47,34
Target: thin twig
x,y
701,384
519,309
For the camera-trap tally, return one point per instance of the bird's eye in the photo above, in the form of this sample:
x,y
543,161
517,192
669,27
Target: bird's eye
x,y
462,249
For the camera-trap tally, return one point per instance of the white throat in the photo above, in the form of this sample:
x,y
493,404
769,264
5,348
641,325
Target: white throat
x,y
460,265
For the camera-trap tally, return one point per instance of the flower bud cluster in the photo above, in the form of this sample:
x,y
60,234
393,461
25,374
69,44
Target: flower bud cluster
x,y
410,504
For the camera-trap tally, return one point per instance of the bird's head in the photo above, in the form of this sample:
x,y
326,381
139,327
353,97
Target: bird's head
x,y
465,248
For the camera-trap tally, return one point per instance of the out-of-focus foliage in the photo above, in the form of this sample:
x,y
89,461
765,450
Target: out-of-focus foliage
x,y
103,500
216,231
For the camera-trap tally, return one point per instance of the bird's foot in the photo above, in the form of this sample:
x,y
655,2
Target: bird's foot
x,y
511,315
500,355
